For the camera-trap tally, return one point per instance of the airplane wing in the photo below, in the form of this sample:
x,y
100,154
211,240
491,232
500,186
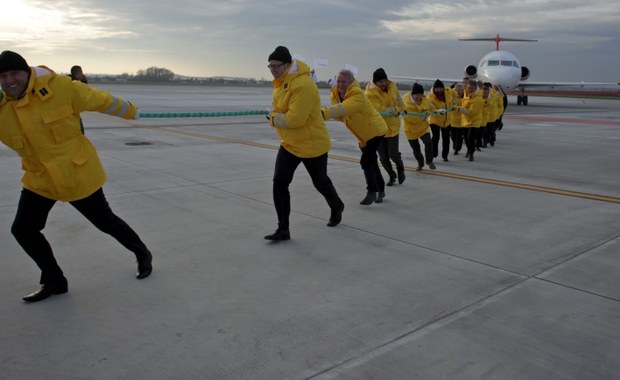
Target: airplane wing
x,y
559,87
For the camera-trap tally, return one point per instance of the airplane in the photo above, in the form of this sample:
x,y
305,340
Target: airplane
x,y
504,69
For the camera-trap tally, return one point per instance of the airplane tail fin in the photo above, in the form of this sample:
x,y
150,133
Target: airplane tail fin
x,y
497,40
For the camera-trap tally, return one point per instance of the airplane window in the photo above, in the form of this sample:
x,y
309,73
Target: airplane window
x,y
493,62
506,63
515,64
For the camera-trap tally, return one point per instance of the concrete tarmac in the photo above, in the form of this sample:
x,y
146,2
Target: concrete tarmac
x,y
502,268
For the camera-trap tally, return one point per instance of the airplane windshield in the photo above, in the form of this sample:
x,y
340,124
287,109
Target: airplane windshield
x,y
506,63
515,64
493,62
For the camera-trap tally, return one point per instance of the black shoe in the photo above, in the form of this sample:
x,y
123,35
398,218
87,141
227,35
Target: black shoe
x,y
280,235
380,197
445,159
466,155
478,149
391,181
456,152
401,177
46,291
432,166
370,197
145,266
471,157
335,217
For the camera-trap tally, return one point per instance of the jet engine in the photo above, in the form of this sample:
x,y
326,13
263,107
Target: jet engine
x,y
471,71
525,73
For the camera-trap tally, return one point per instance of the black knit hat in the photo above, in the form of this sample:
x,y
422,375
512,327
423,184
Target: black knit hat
x,y
417,89
281,54
438,84
10,61
378,75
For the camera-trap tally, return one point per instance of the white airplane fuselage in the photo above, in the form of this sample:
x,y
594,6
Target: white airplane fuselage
x,y
502,68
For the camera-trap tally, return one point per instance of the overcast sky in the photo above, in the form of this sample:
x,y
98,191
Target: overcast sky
x,y
577,40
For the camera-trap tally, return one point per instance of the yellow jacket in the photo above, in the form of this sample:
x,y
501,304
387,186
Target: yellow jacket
x,y
360,117
498,98
416,126
386,101
296,113
455,115
473,104
43,127
436,118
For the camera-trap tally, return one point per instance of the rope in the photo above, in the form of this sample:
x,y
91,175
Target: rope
x,y
154,115
420,114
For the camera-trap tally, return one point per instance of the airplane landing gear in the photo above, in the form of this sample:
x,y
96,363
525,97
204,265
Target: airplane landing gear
x,y
522,100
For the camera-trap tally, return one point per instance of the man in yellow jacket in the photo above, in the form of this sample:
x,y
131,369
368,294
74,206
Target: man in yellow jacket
x,y
472,116
384,96
297,120
441,99
40,119
416,125
351,106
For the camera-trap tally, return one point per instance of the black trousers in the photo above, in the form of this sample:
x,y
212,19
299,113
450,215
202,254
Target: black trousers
x,y
31,217
388,150
368,161
286,164
428,149
457,138
471,136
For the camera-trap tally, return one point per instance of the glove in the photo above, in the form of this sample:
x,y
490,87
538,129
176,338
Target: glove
x,y
132,112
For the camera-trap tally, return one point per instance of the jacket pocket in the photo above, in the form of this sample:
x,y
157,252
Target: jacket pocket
x,y
62,123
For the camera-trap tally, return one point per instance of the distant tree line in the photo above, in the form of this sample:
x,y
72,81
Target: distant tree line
x,y
154,74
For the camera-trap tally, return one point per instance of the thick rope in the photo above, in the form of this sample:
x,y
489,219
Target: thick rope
x,y
154,115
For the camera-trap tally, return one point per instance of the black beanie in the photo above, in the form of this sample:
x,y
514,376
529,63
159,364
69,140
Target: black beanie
x,y
438,84
417,89
281,54
10,61
378,75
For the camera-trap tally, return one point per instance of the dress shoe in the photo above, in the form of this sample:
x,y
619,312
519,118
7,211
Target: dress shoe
x,y
280,235
145,266
336,216
380,196
370,197
46,291
471,157
432,166
391,181
445,159
401,177
456,152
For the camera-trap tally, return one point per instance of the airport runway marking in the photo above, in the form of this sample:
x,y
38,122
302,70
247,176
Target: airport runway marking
x,y
550,190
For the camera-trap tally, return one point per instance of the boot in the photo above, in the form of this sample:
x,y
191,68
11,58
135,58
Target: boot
x,y
401,176
380,197
370,197
280,235
392,180
336,216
